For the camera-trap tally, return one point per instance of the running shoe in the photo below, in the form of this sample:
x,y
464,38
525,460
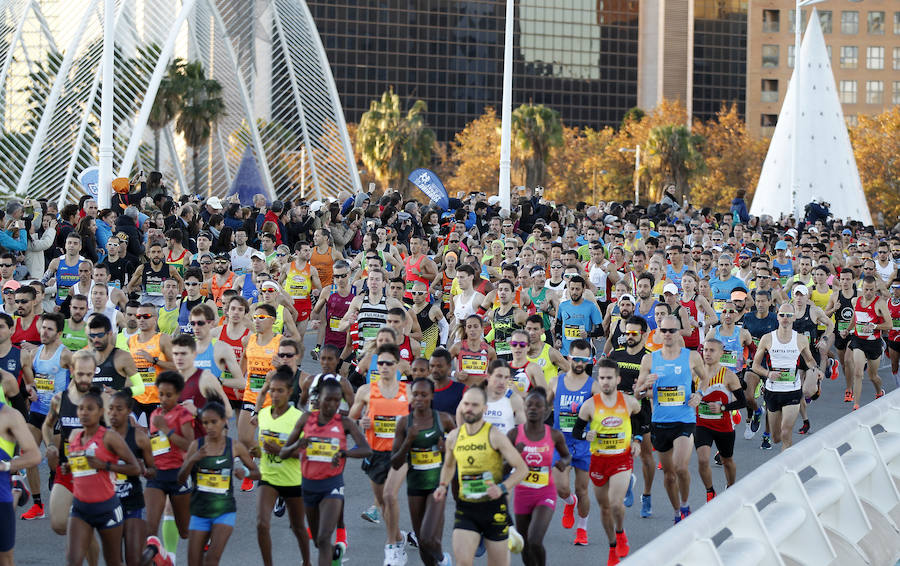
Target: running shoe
x,y
818,392
394,555
340,536
848,396
280,507
410,538
155,554
447,560
646,507
18,484
629,495
248,484
36,512
568,518
832,369
581,537
766,443
748,432
314,353
685,512
372,515
710,494
855,406
804,429
717,459
622,547
755,420
880,394
337,555
613,557
515,541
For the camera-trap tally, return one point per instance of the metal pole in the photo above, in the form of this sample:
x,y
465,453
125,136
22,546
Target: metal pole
x,y
506,119
106,106
637,174
795,138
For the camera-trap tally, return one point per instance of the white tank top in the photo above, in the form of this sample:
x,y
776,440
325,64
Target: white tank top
x,y
887,272
783,357
500,413
464,309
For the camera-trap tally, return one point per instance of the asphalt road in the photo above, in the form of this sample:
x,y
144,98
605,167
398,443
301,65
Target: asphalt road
x,y
37,544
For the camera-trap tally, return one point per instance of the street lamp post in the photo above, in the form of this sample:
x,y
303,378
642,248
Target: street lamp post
x,y
637,168
795,138
105,151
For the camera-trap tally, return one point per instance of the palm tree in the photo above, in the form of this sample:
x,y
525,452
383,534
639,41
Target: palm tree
x,y
166,104
675,156
535,129
393,144
201,107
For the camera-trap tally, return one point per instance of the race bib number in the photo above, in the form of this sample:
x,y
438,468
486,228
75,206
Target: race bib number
x,y
368,332
384,426
895,323
670,396
704,412
473,365
79,465
788,375
728,359
214,481
43,382
611,442
567,421
159,444
862,329
537,477
334,323
843,325
719,305
148,376
425,458
475,486
502,347
256,382
153,288
572,331
322,449
275,438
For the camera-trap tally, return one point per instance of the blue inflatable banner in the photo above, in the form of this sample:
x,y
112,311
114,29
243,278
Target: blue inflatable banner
x,y
89,179
429,184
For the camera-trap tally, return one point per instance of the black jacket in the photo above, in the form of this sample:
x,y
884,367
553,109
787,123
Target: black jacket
x,y
127,231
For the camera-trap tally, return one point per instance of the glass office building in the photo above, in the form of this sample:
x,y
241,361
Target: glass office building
x,y
578,57
720,56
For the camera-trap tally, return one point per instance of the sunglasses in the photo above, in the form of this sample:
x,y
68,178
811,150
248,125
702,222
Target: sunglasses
x,y
261,316
339,276
729,311
386,363
23,301
517,344
205,263
582,359
632,333
280,255
199,322
417,293
143,316
785,315
286,355
191,283
6,264
97,335
668,330
453,241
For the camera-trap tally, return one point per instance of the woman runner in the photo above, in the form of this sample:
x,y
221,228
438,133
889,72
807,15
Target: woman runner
x,y
211,462
535,497
419,441
94,454
129,488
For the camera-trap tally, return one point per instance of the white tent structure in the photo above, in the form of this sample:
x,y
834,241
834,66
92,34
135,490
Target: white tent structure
x,y
279,94
825,167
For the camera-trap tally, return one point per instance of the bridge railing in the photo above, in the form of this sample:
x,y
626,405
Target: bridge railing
x,y
831,499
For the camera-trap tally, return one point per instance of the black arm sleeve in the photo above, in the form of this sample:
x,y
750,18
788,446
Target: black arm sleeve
x,y
579,429
740,401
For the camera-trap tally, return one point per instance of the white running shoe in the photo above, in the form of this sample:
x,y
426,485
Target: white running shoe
x,y
748,434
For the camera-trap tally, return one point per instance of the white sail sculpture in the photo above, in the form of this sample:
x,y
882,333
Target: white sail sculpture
x,y
826,167
279,93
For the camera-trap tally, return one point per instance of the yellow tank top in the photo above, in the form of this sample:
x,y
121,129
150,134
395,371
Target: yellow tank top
x,y
612,426
543,360
147,371
167,321
259,363
298,283
821,300
478,464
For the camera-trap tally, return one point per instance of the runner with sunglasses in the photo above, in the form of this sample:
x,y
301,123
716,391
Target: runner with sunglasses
x,y
378,406
193,280
116,369
216,357
525,374
670,374
335,301
152,354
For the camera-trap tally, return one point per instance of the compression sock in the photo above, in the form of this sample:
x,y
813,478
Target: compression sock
x,y
570,500
581,523
170,534
37,498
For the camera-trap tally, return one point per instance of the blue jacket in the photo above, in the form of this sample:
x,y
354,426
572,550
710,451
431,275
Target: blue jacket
x,y
7,241
104,233
738,205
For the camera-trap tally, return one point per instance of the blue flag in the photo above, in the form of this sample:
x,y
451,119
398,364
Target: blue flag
x,y
429,184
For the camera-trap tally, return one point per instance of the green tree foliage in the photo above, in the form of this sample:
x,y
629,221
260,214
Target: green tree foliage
x,y
201,107
536,129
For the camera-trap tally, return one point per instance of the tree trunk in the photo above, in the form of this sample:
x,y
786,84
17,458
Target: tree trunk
x,y
195,159
156,149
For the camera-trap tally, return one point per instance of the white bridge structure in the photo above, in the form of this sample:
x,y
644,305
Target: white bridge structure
x,y
279,94
831,499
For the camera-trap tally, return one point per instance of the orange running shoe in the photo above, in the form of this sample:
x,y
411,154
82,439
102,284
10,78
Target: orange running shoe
x,y
581,537
622,547
568,518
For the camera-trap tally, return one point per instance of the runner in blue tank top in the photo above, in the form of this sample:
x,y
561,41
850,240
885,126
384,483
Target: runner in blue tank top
x,y
672,375
571,390
733,338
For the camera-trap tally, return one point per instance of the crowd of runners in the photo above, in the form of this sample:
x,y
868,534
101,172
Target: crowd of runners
x,y
508,360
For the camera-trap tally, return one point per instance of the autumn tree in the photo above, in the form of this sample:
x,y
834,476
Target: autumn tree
x,y
475,153
876,146
733,159
536,130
